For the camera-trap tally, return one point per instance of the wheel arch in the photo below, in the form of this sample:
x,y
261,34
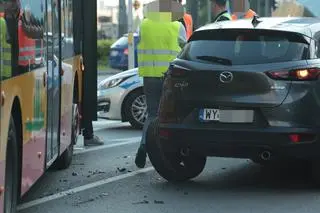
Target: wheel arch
x,y
16,113
124,117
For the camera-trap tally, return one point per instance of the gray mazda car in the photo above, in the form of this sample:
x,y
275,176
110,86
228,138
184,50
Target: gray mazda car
x,y
240,89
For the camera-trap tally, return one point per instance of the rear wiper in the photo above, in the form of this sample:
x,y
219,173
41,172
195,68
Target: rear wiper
x,y
215,59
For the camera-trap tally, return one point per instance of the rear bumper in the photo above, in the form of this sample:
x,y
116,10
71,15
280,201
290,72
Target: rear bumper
x,y
241,143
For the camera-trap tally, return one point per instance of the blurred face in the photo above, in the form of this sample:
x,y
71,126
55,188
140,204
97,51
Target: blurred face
x,y
10,7
216,9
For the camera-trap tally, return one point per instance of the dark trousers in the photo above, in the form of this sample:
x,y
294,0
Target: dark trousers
x,y
88,130
152,88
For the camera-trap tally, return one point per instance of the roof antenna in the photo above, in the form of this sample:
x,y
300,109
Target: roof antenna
x,y
255,20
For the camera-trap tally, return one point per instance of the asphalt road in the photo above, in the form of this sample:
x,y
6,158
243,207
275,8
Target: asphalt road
x,y
105,179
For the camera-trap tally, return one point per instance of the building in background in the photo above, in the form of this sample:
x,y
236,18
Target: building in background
x,y
201,9
107,20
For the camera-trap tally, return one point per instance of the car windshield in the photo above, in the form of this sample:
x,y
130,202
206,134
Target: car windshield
x,y
243,47
121,41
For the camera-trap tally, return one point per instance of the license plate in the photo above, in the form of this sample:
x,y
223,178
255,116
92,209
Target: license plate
x,y
114,53
209,114
226,116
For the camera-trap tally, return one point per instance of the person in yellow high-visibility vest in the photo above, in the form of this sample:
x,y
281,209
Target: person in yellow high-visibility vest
x,y
5,47
161,40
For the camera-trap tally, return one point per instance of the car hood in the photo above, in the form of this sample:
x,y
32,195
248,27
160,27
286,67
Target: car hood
x,y
121,75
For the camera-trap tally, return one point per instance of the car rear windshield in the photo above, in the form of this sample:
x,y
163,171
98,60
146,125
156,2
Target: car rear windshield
x,y
243,47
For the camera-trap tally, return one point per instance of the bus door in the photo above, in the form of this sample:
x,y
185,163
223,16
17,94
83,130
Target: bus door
x,y
53,82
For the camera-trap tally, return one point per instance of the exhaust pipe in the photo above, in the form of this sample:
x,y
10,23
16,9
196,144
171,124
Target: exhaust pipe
x,y
265,155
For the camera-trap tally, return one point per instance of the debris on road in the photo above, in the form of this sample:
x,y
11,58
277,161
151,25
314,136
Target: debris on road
x,y
105,194
85,201
142,202
121,169
78,164
158,202
97,171
74,174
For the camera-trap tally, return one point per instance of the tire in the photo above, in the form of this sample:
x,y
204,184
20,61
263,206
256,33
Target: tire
x,y
65,160
168,164
136,99
11,194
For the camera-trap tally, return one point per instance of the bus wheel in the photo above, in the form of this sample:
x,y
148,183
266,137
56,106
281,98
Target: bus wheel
x,y
65,159
11,173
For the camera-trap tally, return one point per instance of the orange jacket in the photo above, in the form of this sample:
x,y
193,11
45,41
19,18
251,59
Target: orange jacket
x,y
249,14
187,18
27,47
1,15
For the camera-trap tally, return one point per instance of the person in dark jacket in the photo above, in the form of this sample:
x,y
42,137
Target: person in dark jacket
x,y
219,9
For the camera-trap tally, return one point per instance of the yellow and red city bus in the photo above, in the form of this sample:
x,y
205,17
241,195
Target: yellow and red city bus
x,y
39,99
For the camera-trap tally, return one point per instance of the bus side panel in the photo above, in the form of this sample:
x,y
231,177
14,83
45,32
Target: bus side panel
x,y
30,90
66,104
4,126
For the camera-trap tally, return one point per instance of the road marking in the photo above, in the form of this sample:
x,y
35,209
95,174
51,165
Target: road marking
x,y
81,188
85,150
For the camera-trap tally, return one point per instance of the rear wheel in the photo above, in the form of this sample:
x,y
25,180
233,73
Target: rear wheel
x,y
64,161
11,172
315,171
172,166
136,109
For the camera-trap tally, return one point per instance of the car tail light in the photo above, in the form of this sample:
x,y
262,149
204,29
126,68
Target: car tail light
x,y
297,138
177,71
308,74
126,51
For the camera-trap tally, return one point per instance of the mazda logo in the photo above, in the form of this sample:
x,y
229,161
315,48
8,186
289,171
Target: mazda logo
x,y
226,77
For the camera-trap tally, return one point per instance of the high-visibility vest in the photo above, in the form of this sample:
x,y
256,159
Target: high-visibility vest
x,y
5,50
187,18
158,47
27,48
226,14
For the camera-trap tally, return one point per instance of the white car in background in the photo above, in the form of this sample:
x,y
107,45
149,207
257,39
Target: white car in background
x,y
121,97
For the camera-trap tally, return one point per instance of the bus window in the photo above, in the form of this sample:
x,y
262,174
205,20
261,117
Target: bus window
x,y
30,32
66,30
